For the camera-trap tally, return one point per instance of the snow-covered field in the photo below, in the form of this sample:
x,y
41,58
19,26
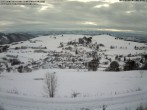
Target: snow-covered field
x,y
115,90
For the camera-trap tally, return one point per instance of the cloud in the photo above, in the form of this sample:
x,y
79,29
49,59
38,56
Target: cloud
x,y
100,6
75,14
109,1
5,23
45,7
130,11
89,23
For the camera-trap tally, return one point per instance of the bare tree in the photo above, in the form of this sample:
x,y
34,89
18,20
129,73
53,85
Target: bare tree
x,y
51,84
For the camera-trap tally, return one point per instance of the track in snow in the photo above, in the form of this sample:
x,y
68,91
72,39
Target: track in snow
x,y
14,102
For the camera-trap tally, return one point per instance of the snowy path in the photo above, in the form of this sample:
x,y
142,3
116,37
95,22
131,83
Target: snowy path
x,y
14,102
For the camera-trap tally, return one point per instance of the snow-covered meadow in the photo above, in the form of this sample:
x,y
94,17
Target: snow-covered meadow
x,y
87,84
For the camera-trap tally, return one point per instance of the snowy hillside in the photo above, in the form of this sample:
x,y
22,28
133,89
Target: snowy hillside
x,y
6,38
70,51
93,73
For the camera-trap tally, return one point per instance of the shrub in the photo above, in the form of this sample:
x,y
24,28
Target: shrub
x,y
76,52
1,108
114,66
20,69
144,67
93,65
81,41
75,94
102,45
104,107
13,91
16,48
138,89
15,62
4,48
130,65
140,108
85,40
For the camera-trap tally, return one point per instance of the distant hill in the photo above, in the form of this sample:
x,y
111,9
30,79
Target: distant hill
x,y
6,38
14,37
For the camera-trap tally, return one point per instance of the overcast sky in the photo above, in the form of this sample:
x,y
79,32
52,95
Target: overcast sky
x,y
109,15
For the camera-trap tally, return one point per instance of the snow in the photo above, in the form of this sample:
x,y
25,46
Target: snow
x,y
52,43
94,88
88,84
117,90
4,37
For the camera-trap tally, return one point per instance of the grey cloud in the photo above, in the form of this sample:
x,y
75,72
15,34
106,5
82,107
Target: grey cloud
x,y
72,15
